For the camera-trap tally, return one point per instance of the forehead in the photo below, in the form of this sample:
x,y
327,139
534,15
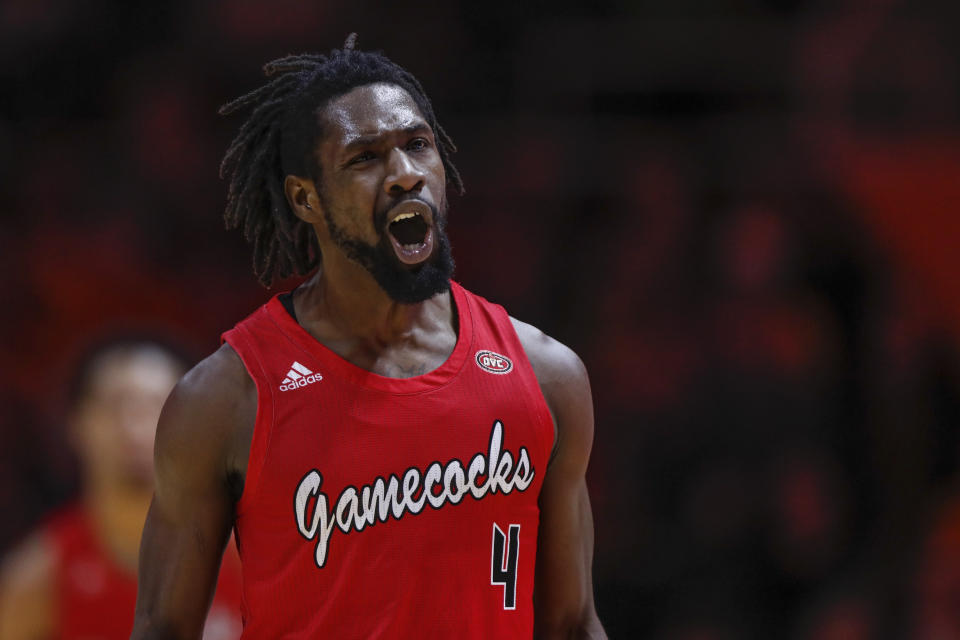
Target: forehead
x,y
141,372
368,111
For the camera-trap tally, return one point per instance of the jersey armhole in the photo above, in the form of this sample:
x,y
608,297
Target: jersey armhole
x,y
548,430
264,420
536,401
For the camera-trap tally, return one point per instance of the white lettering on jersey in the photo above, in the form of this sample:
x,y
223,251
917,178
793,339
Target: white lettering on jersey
x,y
439,484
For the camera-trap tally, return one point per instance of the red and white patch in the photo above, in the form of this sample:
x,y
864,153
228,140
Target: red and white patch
x,y
494,362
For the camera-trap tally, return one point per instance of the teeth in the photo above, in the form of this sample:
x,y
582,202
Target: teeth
x,y
404,216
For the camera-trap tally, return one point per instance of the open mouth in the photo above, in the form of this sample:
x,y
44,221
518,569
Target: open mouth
x,y
409,229
411,232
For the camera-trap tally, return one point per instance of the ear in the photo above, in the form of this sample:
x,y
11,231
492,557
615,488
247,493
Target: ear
x,y
302,197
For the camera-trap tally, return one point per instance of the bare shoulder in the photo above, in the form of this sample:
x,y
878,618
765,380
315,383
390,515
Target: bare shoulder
x,y
27,589
565,385
554,363
208,417
218,377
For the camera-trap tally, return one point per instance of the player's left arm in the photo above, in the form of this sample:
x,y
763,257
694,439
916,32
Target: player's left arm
x,y
563,586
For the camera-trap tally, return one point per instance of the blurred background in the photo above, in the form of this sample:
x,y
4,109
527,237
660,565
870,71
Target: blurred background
x,y
742,214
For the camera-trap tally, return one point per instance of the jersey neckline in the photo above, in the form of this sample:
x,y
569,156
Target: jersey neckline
x,y
331,364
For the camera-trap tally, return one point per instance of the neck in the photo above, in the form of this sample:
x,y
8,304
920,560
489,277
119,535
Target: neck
x,y
118,511
343,302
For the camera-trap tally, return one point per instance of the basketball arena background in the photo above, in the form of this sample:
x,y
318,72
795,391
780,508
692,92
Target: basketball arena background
x,y
742,214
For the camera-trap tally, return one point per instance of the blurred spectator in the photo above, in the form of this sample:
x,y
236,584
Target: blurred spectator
x,y
76,576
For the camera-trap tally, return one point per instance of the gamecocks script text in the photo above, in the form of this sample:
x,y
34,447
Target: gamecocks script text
x,y
356,508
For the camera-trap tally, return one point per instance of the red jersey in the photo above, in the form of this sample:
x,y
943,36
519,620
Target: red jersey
x,y
95,596
378,507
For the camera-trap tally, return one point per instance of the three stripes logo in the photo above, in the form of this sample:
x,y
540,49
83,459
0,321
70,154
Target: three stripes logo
x,y
299,376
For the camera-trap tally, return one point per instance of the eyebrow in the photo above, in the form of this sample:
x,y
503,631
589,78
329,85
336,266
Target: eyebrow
x,y
364,141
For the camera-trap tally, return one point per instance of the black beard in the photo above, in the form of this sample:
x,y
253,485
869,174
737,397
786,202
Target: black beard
x,y
401,284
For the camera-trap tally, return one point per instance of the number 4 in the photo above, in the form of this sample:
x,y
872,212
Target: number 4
x,y
503,570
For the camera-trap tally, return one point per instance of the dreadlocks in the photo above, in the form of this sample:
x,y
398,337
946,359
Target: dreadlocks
x,y
278,139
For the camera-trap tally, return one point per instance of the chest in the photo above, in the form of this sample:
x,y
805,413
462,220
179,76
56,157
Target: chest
x,y
353,435
423,350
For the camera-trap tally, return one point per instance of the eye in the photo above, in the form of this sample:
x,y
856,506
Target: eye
x,y
418,144
362,157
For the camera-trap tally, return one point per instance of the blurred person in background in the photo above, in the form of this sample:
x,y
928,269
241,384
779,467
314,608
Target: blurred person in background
x,y
76,576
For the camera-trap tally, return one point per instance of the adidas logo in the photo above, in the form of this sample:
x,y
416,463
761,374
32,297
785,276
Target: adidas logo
x,y
299,376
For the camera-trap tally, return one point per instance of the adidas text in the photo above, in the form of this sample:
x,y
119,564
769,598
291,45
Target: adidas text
x,y
299,376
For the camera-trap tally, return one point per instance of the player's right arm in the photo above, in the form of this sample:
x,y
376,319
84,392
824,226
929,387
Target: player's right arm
x,y
202,444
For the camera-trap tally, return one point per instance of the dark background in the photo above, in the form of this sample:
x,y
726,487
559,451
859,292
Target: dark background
x,y
742,214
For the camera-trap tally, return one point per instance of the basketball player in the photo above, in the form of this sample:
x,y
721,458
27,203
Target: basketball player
x,y
76,577
398,457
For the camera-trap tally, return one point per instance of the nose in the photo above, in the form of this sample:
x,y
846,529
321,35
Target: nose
x,y
403,174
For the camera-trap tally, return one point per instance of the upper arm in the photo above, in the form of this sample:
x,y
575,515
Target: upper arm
x,y
192,512
563,587
27,591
